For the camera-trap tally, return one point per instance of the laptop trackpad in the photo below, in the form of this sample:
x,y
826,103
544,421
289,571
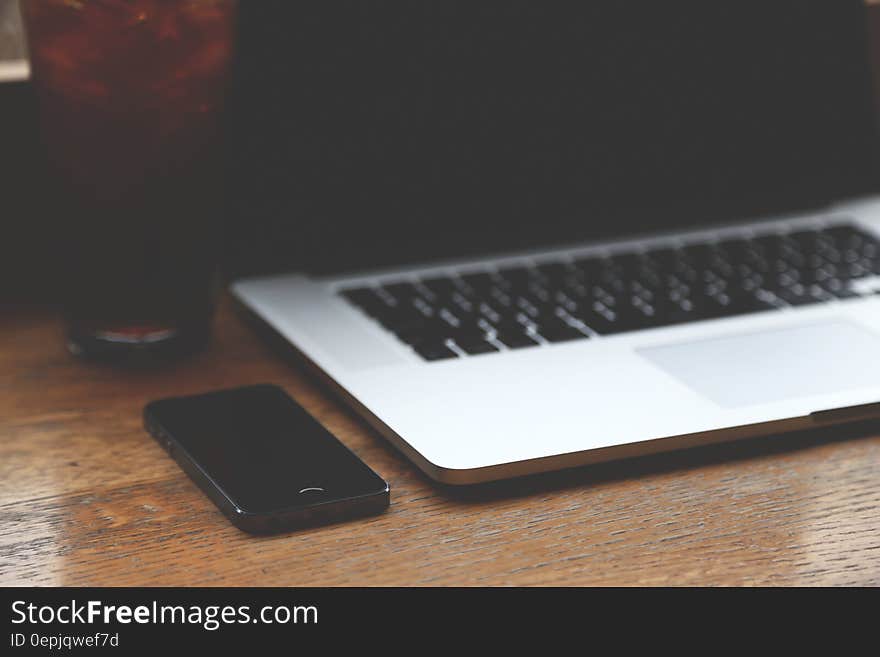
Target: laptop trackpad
x,y
776,364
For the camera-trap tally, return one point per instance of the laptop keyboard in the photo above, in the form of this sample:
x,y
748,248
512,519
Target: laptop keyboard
x,y
480,312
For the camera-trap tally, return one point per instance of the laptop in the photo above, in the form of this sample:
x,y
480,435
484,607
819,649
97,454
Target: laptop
x,y
525,235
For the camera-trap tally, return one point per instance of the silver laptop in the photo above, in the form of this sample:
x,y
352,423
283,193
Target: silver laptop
x,y
530,235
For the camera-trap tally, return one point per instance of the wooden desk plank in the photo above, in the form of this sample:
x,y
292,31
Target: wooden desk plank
x,y
86,497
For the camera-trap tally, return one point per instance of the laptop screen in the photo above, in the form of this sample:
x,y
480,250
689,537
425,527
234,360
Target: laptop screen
x,y
380,132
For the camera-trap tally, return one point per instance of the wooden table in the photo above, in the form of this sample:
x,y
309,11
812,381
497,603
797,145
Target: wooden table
x,y
88,498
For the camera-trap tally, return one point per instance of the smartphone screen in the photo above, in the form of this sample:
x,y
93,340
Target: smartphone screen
x,y
261,451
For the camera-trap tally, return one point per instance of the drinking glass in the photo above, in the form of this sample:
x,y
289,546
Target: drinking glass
x,y
130,96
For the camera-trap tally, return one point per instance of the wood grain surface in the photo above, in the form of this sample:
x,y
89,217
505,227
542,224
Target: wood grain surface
x,y
87,497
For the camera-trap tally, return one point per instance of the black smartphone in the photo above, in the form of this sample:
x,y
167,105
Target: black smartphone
x,y
264,461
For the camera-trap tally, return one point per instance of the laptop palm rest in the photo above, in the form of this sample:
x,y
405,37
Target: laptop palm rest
x,y
774,365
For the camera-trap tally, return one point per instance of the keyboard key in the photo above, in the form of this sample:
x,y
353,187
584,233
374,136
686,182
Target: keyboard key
x,y
559,331
800,295
421,329
839,289
474,345
462,305
850,237
401,291
627,291
725,305
513,340
844,293
557,272
590,268
479,281
434,351
373,301
442,286
516,276
359,296
489,312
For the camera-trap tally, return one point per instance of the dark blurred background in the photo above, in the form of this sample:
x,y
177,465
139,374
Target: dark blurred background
x,y
31,242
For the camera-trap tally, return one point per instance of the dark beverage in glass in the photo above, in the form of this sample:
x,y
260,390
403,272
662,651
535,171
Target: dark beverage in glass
x,y
130,96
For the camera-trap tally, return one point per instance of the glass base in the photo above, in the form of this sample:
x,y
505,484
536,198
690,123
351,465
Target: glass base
x,y
141,343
